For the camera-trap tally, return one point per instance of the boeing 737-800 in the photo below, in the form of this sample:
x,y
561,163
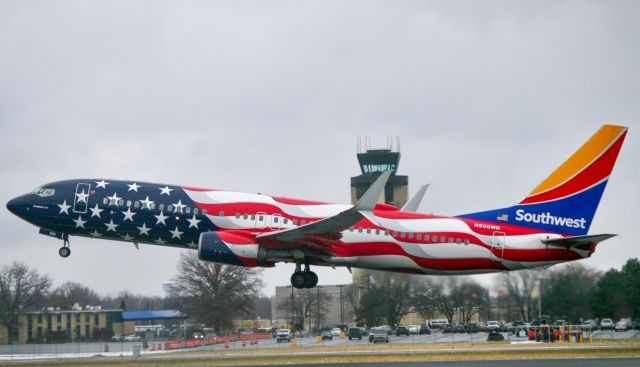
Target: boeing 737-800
x,y
547,227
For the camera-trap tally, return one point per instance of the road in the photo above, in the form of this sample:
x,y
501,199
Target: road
x,y
586,362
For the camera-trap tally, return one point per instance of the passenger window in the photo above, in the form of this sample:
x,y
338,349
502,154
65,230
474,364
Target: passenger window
x,y
238,215
394,233
285,221
253,217
386,233
105,201
443,239
246,216
196,211
368,230
204,211
136,204
360,230
403,234
303,222
450,239
295,222
187,210
377,231
260,218
466,242
411,235
128,202
275,219
153,206
221,214
458,241
419,236
120,202
170,208
161,207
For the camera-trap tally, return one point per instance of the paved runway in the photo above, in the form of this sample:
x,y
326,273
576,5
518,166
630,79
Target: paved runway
x,y
586,362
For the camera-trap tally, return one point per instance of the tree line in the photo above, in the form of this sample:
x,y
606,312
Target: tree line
x,y
570,292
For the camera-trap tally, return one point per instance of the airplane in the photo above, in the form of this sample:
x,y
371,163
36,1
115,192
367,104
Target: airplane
x,y
549,226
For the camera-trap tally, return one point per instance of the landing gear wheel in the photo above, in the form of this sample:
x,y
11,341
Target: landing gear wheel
x,y
64,251
298,280
311,279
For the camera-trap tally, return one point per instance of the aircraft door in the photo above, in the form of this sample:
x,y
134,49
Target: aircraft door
x,y
276,221
261,219
81,198
498,242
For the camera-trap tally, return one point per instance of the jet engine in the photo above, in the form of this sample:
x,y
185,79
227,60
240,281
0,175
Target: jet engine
x,y
227,247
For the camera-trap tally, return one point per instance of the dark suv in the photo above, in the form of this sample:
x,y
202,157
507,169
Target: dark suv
x,y
356,333
402,330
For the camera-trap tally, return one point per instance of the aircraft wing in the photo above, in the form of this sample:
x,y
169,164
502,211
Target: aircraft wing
x,y
318,235
578,240
414,203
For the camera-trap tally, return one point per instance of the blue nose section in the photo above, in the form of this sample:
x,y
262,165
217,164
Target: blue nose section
x,y
14,205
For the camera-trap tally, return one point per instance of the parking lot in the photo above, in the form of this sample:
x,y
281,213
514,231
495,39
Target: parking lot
x,y
88,349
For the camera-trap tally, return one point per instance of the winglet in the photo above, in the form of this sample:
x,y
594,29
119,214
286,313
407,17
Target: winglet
x,y
414,203
370,198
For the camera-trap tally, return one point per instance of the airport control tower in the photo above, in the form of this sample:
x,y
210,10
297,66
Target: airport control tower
x,y
372,163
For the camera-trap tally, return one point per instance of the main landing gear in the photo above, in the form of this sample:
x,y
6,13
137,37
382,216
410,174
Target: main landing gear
x,y
65,250
304,279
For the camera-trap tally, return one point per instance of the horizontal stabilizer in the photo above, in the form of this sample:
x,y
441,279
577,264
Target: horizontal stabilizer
x,y
578,240
414,203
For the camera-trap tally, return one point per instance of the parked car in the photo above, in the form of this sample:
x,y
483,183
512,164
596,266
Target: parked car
x,y
378,334
336,331
438,324
413,329
495,336
590,324
424,330
387,328
402,330
356,332
327,334
117,338
132,338
492,326
623,325
606,324
283,335
472,327
448,328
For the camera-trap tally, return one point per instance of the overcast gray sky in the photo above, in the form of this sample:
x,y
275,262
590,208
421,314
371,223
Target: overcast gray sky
x,y
270,96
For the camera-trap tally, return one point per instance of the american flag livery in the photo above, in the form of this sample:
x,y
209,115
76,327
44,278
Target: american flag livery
x,y
547,227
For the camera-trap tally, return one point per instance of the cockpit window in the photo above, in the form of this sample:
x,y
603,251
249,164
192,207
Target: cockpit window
x,y
43,192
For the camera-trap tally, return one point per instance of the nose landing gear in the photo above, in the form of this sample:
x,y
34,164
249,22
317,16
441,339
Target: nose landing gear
x,y
65,250
304,279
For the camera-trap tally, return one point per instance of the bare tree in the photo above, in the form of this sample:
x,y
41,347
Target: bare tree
x,y
215,293
21,289
520,287
307,304
70,293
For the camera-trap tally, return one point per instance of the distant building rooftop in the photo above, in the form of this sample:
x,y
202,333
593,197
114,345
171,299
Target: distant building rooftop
x,y
152,315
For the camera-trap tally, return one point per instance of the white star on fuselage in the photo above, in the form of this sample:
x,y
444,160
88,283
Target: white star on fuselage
x,y
165,190
134,187
111,226
82,197
193,222
176,233
102,184
128,214
146,203
144,231
95,211
161,218
126,237
178,207
95,234
160,241
113,200
79,222
64,208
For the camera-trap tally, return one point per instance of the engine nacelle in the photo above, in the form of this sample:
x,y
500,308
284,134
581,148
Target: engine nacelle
x,y
230,248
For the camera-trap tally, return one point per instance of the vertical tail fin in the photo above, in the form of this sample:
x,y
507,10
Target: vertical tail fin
x,y
566,201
